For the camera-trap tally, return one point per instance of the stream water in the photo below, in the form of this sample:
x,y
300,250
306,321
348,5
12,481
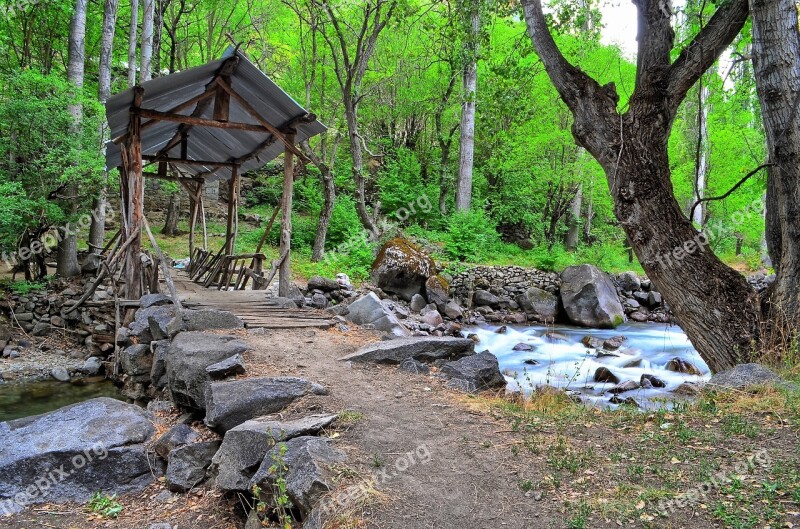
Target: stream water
x,y
33,398
556,357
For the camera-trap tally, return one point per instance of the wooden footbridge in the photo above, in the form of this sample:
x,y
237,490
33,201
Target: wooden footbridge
x,y
257,308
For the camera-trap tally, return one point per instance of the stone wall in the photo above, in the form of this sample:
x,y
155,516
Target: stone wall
x,y
502,281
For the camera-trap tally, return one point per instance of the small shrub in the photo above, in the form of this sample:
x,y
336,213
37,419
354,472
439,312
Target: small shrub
x,y
471,235
104,505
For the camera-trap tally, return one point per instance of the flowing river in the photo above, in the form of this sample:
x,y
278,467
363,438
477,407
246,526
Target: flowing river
x,y
555,356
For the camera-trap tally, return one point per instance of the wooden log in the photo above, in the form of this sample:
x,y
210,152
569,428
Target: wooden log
x,y
233,186
186,161
201,122
135,204
164,268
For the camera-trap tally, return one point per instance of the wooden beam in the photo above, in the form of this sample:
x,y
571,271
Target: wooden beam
x,y
185,161
285,272
210,91
266,124
200,122
171,178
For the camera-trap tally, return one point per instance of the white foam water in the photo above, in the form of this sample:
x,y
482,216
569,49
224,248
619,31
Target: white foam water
x,y
558,358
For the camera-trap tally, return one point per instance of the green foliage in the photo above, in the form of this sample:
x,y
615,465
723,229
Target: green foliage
x,y
104,505
280,495
470,235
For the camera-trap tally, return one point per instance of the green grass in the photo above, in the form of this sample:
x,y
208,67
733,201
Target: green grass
x,y
104,505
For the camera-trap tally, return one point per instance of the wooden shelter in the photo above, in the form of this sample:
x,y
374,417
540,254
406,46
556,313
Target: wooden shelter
x,y
212,122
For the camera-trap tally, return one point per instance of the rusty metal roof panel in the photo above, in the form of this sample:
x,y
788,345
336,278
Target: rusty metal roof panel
x,y
211,143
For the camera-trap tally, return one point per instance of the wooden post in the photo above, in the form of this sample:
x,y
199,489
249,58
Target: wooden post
x,y
135,203
193,218
285,273
233,188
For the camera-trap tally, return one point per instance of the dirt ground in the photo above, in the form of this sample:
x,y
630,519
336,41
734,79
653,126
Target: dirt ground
x,y
422,456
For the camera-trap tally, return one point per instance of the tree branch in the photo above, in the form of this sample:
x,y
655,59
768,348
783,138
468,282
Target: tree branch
x,y
731,190
705,49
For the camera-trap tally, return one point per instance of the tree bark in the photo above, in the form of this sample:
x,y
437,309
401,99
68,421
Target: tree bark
x,y
67,256
110,7
171,221
776,62
467,144
714,304
574,221
701,155
148,16
328,199
132,42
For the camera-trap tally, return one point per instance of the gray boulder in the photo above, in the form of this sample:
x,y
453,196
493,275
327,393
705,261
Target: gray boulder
x,y
629,281
417,303
437,290
744,376
453,310
482,370
230,366
424,349
178,435
539,305
368,310
137,362
186,466
589,298
308,476
415,366
402,268
187,358
158,373
323,283
229,404
71,453
91,366
210,319
154,300
484,298
60,373
244,447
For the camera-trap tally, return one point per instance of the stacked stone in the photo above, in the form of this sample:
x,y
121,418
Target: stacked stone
x,y
503,281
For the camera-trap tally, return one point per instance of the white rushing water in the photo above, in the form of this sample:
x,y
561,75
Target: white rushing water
x,y
558,358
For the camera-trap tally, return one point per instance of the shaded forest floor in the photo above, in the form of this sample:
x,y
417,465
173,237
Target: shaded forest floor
x,y
422,456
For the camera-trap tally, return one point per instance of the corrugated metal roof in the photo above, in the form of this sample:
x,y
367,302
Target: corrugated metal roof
x,y
211,143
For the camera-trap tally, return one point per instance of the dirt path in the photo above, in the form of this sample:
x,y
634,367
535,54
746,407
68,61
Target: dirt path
x,y
438,463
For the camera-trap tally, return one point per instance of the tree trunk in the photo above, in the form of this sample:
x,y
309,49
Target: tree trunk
x,y
574,221
467,144
714,304
351,115
148,16
171,222
328,199
701,159
98,227
67,257
132,42
776,62
158,34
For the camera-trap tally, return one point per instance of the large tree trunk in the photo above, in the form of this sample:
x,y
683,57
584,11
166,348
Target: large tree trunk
x,y
158,34
776,60
148,16
467,145
98,227
68,246
132,42
714,304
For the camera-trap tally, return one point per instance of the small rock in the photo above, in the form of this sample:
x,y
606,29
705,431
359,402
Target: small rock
x,y
92,366
417,303
523,347
653,380
628,385
603,374
452,310
186,466
630,401
178,435
230,366
679,365
744,376
687,389
615,342
501,330
414,366
60,373
591,342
